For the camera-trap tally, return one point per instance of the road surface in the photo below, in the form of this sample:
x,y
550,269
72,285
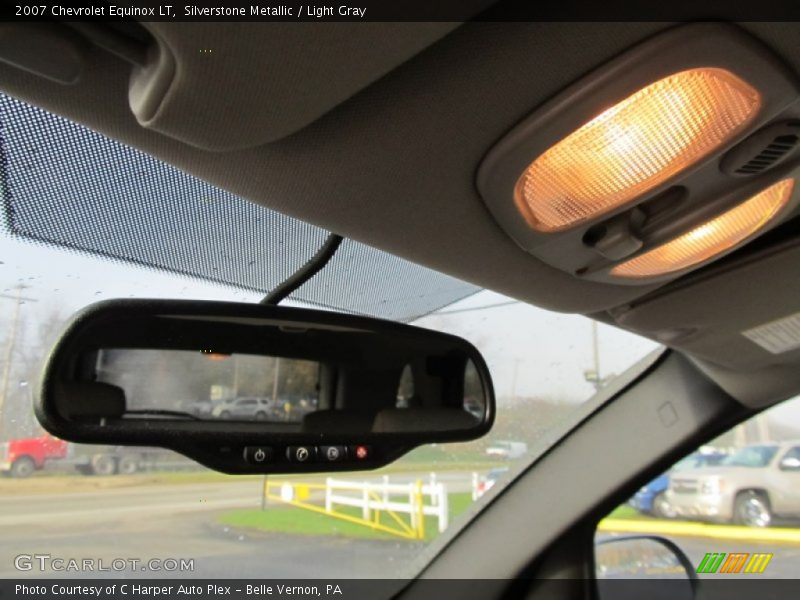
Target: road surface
x,y
180,521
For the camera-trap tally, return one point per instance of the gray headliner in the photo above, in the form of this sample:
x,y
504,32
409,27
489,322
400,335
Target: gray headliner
x,y
394,165
706,320
282,92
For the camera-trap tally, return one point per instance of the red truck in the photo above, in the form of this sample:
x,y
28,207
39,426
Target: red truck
x,y
21,457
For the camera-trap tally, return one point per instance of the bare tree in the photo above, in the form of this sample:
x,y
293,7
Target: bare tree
x,y
35,335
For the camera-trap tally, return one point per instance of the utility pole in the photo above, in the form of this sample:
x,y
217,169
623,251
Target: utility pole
x,y
762,424
514,382
740,435
593,375
596,353
10,342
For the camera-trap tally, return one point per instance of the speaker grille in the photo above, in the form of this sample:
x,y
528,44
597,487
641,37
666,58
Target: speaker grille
x,y
781,146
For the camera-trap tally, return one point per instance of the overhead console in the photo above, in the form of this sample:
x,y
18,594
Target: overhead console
x,y
667,158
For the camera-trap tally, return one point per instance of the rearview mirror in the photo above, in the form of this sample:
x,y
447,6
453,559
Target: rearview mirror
x,y
248,388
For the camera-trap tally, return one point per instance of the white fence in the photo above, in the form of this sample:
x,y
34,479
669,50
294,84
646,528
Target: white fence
x,y
408,498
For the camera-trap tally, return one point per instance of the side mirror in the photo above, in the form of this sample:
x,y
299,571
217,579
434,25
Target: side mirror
x,y
248,388
790,463
643,566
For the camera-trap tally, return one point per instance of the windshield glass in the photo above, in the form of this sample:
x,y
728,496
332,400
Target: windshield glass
x,y
752,456
156,513
690,462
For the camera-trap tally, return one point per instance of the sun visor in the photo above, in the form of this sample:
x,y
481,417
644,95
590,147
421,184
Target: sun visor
x,y
742,317
291,82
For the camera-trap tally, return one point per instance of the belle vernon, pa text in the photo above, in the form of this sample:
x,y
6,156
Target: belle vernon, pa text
x,y
212,589
188,10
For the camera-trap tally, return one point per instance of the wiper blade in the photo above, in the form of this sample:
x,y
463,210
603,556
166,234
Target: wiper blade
x,y
157,412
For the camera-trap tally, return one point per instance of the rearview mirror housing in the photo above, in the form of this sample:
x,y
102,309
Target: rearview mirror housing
x,y
249,388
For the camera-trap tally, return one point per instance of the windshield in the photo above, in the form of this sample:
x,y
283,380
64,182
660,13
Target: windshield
x,y
752,456
700,459
158,514
690,462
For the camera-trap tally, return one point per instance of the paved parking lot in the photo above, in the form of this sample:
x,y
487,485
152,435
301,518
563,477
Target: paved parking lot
x,y
180,521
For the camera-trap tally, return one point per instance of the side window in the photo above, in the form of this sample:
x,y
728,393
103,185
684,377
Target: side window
x,y
726,510
791,460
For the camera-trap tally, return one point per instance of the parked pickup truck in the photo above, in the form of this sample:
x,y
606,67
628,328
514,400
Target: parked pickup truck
x,y
651,499
749,487
21,457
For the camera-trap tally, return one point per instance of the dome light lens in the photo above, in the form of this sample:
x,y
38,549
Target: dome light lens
x,y
634,146
711,238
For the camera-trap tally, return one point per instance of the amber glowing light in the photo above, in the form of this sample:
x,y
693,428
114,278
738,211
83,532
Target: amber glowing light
x,y
711,238
634,146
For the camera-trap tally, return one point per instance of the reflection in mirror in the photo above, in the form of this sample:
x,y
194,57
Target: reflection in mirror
x,y
642,563
418,404
207,385
241,387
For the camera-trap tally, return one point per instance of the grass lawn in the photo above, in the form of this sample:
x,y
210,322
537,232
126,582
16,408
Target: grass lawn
x,y
49,482
627,512
297,521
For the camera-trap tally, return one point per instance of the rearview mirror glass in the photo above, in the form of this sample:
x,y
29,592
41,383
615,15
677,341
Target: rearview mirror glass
x,y
237,387
251,388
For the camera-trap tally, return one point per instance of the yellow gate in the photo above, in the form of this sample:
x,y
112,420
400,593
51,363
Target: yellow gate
x,y
301,495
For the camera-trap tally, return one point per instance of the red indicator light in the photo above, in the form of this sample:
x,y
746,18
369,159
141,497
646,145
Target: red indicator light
x,y
361,452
